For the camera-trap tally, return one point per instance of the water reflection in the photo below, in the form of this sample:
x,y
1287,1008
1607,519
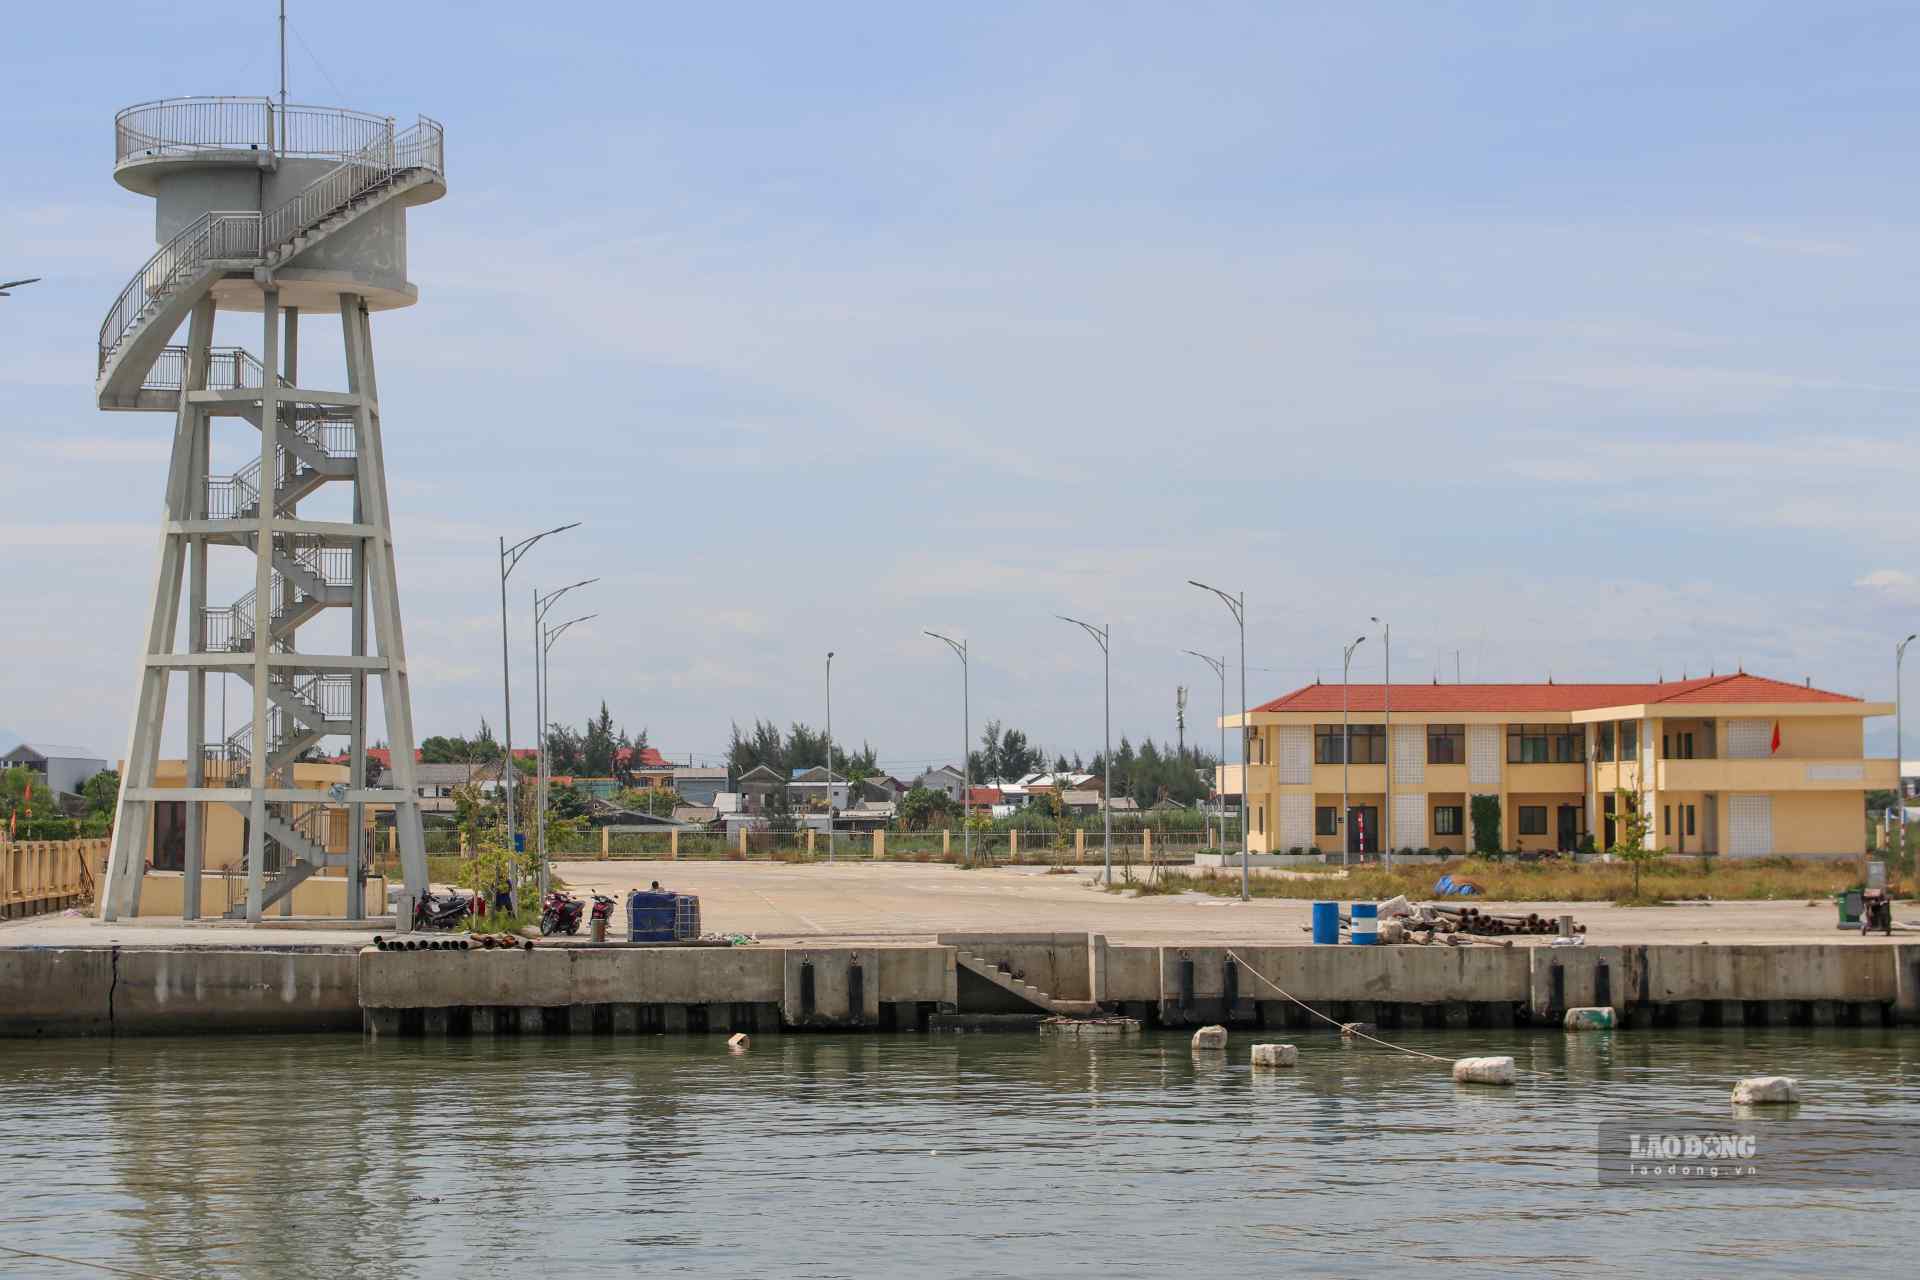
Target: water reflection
x,y
879,1155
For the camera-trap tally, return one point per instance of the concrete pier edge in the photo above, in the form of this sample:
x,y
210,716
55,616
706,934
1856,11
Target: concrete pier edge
x,y
625,990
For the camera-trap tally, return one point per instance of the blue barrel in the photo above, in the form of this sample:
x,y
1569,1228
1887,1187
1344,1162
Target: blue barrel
x,y
1326,923
650,917
1365,930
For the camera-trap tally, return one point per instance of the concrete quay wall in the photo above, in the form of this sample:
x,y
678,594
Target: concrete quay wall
x,y
71,991
134,991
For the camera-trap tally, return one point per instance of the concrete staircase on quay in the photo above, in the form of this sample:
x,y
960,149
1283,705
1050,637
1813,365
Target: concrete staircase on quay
x,y
1004,978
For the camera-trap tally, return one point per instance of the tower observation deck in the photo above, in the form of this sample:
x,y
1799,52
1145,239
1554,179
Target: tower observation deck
x,y
292,214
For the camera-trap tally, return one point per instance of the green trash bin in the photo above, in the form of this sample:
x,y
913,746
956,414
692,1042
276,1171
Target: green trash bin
x,y
1848,902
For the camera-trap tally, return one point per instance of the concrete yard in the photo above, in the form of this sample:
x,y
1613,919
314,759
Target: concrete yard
x,y
913,902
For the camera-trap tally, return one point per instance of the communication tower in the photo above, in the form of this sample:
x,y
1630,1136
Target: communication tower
x,y
292,214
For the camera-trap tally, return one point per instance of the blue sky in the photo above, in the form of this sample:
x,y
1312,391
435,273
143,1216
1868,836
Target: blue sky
x,y
1575,339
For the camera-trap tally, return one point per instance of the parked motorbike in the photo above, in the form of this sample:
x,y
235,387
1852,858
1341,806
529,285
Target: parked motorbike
x,y
441,911
560,913
603,907
1876,911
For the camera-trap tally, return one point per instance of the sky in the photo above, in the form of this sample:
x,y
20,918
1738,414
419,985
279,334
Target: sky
x,y
1571,340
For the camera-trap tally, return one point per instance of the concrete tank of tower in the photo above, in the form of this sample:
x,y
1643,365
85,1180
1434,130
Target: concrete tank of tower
x,y
207,157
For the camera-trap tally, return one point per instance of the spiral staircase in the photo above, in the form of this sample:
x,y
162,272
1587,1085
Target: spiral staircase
x,y
243,260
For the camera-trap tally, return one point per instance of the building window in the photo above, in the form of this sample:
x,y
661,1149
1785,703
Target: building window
x,y
1545,744
1629,739
1689,819
1260,818
1533,819
1603,741
1369,744
1326,744
1666,819
1326,820
1446,819
1446,744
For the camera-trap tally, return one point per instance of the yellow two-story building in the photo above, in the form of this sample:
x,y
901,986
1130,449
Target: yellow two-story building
x,y
1737,765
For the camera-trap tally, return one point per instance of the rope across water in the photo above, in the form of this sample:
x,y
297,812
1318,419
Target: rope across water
x,y
1344,1027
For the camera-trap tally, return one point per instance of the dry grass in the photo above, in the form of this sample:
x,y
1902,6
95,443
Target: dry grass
x,y
1760,880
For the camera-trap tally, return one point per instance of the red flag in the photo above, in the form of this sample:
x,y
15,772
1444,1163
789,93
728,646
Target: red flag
x,y
1775,748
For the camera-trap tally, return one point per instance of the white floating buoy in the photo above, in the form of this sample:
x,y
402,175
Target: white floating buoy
x,y
1210,1038
1483,1071
1275,1055
739,1042
1766,1091
1593,1018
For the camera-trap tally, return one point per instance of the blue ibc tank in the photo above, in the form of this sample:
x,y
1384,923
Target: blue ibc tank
x,y
662,917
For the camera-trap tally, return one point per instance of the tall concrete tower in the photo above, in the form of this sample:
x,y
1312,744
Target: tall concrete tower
x,y
290,213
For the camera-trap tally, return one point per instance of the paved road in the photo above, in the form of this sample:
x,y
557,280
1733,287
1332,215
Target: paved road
x,y
913,901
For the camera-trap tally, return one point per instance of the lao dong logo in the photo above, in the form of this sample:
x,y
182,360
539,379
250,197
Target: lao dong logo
x,y
1692,1146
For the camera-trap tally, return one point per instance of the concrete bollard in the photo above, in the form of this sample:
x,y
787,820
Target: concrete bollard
x,y
1756,1091
1595,1018
739,1042
1210,1038
1275,1055
1483,1071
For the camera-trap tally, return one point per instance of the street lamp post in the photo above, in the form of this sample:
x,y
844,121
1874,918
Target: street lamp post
x,y
959,647
1386,846
543,770
1219,666
1238,604
829,755
1346,749
1899,748
1103,636
509,558
546,645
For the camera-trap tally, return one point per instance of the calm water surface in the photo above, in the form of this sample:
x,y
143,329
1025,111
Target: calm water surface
x,y
983,1155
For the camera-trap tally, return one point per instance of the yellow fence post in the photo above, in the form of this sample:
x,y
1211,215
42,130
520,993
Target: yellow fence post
x,y
879,845
743,839
1080,845
1013,845
606,847
809,842
1146,845
673,845
946,843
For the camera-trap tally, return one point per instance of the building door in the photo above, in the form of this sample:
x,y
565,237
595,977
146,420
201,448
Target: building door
x,y
1606,822
1363,829
169,835
1570,815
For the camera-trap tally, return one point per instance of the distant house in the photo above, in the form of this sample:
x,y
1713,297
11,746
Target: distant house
x,y
704,815
810,790
985,798
63,769
1080,802
945,779
436,783
757,785
699,786
879,789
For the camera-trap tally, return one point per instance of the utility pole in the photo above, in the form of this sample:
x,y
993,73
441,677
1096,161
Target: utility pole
x,y
1899,748
829,755
1346,750
959,648
1103,635
1219,666
1386,845
1238,605
543,770
509,560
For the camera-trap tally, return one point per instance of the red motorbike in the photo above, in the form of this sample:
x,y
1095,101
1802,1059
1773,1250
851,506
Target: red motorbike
x,y
602,908
560,913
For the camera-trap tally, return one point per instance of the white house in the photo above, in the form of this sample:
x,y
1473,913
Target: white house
x,y
63,769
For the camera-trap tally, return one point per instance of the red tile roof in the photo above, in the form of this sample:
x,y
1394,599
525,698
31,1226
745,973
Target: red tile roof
x,y
1739,687
986,795
650,758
